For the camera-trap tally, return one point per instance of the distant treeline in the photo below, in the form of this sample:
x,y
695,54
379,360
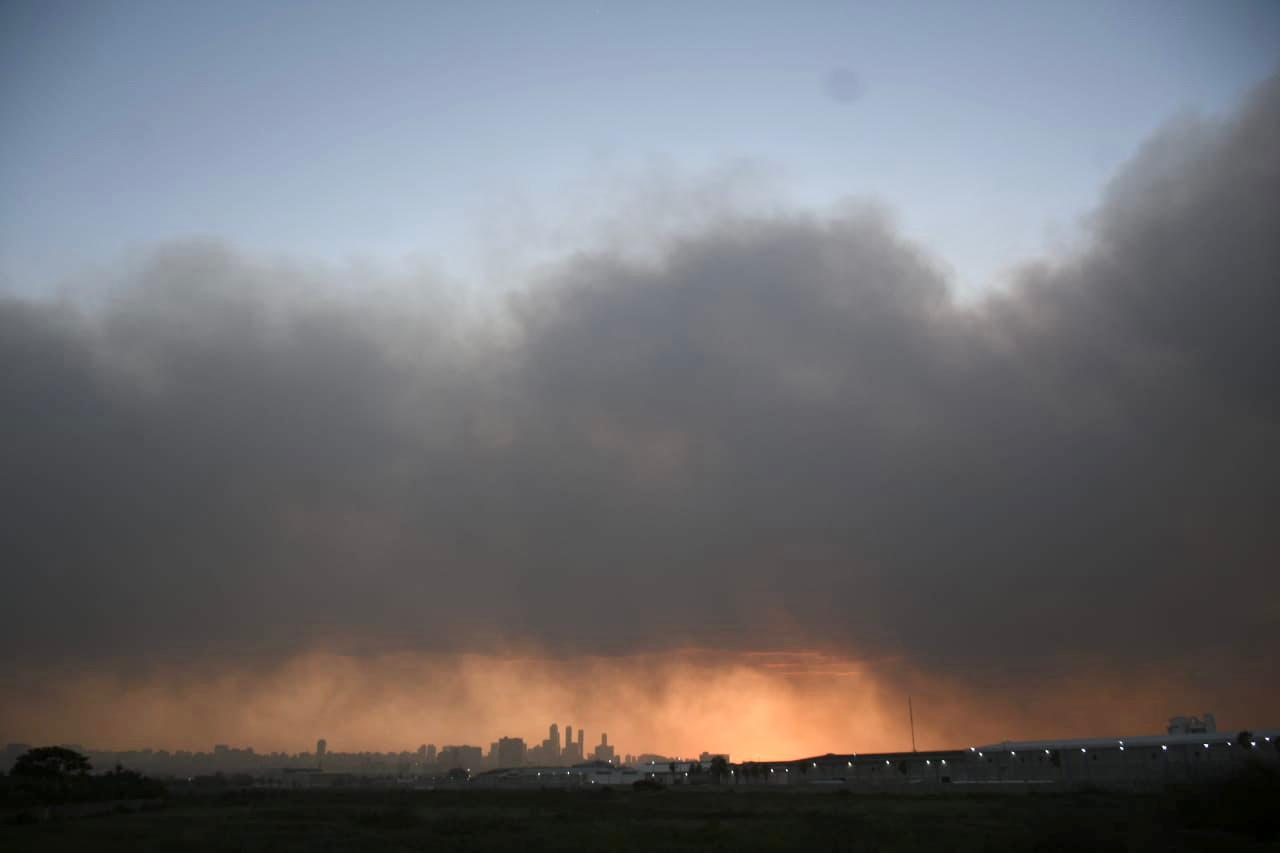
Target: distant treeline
x,y
53,775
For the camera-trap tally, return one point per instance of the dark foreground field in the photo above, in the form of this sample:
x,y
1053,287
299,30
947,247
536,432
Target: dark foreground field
x,y
661,820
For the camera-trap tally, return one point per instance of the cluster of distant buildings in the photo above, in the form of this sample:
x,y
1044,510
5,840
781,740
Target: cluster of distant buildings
x,y
1192,750
507,752
426,761
514,752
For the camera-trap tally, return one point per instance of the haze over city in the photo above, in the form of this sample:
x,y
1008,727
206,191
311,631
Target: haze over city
x,y
717,376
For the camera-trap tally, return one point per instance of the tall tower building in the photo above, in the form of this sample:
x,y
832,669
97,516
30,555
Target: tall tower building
x,y
321,746
553,742
604,752
568,738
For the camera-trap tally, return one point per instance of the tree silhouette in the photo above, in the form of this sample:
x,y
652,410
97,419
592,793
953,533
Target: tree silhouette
x,y
50,762
719,768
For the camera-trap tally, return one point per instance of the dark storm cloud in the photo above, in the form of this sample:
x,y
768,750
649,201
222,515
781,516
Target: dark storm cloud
x,y
783,434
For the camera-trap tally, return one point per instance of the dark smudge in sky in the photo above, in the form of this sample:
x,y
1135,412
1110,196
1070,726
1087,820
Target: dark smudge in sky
x,y
842,84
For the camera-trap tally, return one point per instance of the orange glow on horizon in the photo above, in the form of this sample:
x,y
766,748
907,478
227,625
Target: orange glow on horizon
x,y
753,705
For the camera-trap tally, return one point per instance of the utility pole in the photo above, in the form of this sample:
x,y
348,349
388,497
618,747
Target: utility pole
x,y
912,717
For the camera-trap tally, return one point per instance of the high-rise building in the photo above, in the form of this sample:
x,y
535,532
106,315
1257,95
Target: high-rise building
x,y
431,753
551,746
511,752
466,757
573,750
604,752
321,746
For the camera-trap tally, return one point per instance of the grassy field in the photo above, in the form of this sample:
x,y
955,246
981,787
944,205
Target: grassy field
x,y
635,820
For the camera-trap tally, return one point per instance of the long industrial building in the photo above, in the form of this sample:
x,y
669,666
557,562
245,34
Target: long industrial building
x,y
1147,761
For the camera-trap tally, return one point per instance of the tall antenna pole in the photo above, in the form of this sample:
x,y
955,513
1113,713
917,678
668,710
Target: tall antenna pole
x,y
912,717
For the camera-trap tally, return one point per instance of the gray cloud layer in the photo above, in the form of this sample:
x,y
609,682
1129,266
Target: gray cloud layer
x,y
784,434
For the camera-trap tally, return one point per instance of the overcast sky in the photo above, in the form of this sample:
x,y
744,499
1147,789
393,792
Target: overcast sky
x,y
741,418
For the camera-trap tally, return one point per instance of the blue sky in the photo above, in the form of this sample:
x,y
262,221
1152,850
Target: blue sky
x,y
454,132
